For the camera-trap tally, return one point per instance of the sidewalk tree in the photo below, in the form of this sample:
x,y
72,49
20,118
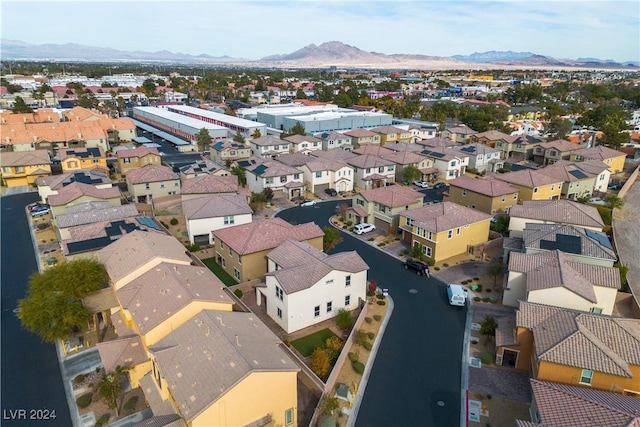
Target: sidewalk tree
x,y
204,139
488,327
53,305
614,202
238,137
331,238
495,269
239,172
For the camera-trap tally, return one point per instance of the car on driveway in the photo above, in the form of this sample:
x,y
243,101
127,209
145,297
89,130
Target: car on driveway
x,y
40,210
421,184
308,203
439,186
331,192
597,201
363,228
614,186
420,268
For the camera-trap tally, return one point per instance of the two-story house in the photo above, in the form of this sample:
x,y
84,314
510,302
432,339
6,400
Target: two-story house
x,y
321,174
202,167
372,171
22,168
444,230
278,177
597,168
381,206
331,140
482,158
268,147
212,212
137,157
532,184
488,194
449,162
48,185
229,151
489,138
241,250
614,159
404,159
305,286
390,134
205,185
152,181
304,143
360,137
518,147
460,133
79,192
576,183
550,152
73,159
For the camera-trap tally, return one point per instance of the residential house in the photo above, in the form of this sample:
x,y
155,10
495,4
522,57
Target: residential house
x,y
241,250
48,185
73,159
550,152
449,162
280,178
202,167
572,347
489,138
372,171
268,147
518,147
89,213
576,182
137,157
360,137
374,150
213,212
553,212
526,112
382,206
152,181
22,168
482,158
321,174
305,286
389,134
205,185
554,277
418,133
405,159
304,143
614,159
127,352
333,154
208,368
404,146
460,133
488,194
597,168
444,230
331,140
79,192
556,404
437,142
532,184
229,151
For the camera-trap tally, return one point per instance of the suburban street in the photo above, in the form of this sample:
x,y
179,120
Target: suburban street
x,y
417,372
31,377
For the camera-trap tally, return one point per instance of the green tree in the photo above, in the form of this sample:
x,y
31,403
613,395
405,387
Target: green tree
x,y
241,174
624,284
416,253
488,327
344,320
331,238
320,363
19,106
297,129
109,388
332,346
342,99
300,94
411,173
256,134
495,269
204,139
149,87
560,128
88,100
238,137
614,202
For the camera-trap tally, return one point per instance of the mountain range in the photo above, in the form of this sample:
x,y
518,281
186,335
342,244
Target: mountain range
x,y
333,53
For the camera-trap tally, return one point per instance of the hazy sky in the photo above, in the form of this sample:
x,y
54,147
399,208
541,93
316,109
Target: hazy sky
x,y
254,29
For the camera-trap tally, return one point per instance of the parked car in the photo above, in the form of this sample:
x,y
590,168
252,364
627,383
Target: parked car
x,y
37,206
439,186
331,192
363,228
308,203
421,184
40,210
420,268
597,201
614,186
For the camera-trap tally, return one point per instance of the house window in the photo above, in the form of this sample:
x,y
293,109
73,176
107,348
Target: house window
x,y
391,168
318,174
596,310
458,231
279,312
223,263
127,160
347,280
553,186
316,311
360,202
279,293
296,176
329,306
586,376
236,273
464,191
6,169
176,183
430,236
535,190
229,220
453,163
239,259
146,186
230,251
162,185
427,250
409,222
515,196
283,178
449,234
381,169
504,198
347,300
221,244
268,180
368,170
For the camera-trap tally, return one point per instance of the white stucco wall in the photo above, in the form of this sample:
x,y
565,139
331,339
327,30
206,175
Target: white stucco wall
x,y
206,225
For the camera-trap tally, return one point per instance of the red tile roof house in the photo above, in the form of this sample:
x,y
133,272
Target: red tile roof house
x,y
213,212
151,182
77,193
205,185
137,157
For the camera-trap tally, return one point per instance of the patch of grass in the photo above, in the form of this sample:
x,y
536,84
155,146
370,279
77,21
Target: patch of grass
x,y
306,345
102,421
130,403
238,293
218,271
486,359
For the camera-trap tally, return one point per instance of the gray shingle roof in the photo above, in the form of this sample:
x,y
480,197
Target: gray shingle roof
x,y
444,216
126,352
215,205
76,190
528,178
151,173
591,242
207,356
560,211
302,265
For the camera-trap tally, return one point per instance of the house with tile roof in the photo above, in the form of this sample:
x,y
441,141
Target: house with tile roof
x,y
486,194
137,157
305,286
374,150
382,206
232,151
283,179
437,142
268,147
91,212
321,174
303,143
202,167
572,347
559,405
333,154
518,147
557,278
404,146
532,184
482,158
213,212
405,159
332,140
208,368
444,230
489,138
127,352
22,168
576,182
449,162
360,137
151,182
460,133
73,159
371,171
614,159
390,134
48,185
205,185
550,152
597,168
241,250
77,193
553,212
40,115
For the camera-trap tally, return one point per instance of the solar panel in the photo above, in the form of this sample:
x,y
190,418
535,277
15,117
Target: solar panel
x,y
468,149
578,174
600,238
148,222
260,169
569,244
88,245
438,155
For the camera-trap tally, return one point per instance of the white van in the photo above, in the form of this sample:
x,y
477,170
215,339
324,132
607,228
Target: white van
x,y
457,294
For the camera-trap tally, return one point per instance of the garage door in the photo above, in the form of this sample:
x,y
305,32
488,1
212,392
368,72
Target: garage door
x,y
319,188
381,225
16,182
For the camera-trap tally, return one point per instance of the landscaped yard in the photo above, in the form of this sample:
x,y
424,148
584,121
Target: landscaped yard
x,y
218,271
307,344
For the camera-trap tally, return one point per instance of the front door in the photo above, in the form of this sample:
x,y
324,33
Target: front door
x,y
509,358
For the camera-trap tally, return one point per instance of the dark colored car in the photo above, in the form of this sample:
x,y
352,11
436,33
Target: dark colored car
x,y
440,185
615,186
420,268
331,192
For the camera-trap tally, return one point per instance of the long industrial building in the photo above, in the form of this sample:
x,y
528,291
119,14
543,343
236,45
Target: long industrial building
x,y
235,124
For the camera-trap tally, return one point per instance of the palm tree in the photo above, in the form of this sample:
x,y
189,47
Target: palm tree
x,y
110,387
614,202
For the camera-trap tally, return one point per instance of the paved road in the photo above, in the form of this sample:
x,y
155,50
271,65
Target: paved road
x,y
416,376
30,370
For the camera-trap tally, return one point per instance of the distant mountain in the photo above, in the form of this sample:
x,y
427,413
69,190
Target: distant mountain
x,y
493,56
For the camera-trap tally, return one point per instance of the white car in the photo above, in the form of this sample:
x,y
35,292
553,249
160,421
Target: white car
x,y
597,201
421,184
363,228
308,203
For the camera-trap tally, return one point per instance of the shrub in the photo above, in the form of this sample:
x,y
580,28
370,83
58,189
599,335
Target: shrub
x,y
368,319
381,302
358,367
445,265
377,317
380,296
430,261
371,335
488,290
367,345
344,319
405,252
79,378
476,278
479,288
164,224
192,247
174,221
42,226
349,223
371,239
103,420
486,358
477,299
238,293
436,268
130,403
84,400
344,227
486,299
353,357
381,244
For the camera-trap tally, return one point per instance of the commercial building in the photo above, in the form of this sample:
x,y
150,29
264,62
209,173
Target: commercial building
x,y
235,124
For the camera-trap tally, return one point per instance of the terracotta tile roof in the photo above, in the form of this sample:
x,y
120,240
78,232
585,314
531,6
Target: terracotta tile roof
x,y
126,352
25,158
506,331
265,234
206,357
81,114
210,184
132,251
583,340
374,150
121,123
272,168
216,205
392,196
299,139
76,190
561,145
151,173
267,140
488,186
592,243
360,133
164,290
38,116
295,159
335,154
367,161
562,405
138,152
559,211
300,265
599,152
527,178
89,212
566,172
404,146
444,216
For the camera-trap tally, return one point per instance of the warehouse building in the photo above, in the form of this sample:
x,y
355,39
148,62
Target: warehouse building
x,y
235,124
